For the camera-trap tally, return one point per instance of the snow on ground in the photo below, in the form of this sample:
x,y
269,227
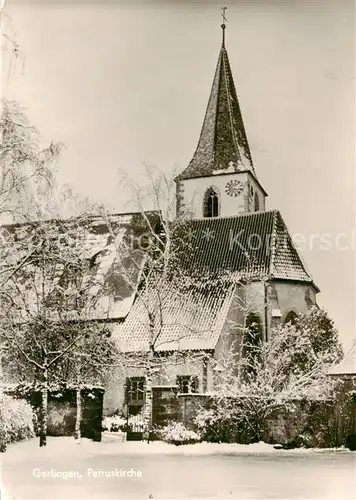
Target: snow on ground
x,y
204,448
204,470
113,443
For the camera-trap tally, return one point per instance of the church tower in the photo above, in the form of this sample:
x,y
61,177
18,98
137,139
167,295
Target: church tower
x,y
220,180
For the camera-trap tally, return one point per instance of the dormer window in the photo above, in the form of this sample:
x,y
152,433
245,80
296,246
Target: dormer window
x,y
211,203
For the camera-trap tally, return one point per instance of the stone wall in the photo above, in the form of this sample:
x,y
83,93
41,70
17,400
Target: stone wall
x,y
164,405
171,366
62,411
61,417
310,423
189,405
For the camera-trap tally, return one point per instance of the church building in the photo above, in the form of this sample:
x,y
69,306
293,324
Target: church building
x,y
232,232
256,278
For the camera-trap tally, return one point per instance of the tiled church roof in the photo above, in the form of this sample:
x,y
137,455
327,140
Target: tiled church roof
x,y
223,142
255,244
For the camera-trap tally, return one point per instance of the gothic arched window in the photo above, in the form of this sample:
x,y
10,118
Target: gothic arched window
x,y
211,203
257,203
291,318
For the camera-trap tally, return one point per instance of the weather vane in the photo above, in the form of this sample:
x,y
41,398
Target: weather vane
x,y
223,10
223,26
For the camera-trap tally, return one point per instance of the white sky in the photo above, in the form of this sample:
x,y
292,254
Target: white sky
x,y
125,82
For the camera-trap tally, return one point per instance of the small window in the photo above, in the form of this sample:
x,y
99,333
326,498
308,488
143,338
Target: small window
x,y
211,203
135,390
291,318
257,203
187,384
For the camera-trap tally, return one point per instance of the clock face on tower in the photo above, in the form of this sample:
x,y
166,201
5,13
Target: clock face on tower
x,y
234,188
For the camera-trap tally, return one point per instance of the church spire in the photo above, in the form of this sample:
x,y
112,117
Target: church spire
x,y
223,142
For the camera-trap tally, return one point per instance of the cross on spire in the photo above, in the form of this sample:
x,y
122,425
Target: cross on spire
x,y
223,26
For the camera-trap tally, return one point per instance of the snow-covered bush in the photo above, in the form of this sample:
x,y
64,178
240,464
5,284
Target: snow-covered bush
x,y
270,377
16,420
114,423
213,426
136,422
177,433
221,423
119,423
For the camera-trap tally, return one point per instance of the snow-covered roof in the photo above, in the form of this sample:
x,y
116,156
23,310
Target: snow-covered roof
x,y
347,365
190,320
112,295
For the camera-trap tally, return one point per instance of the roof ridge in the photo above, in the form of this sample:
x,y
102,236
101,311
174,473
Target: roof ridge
x,y
234,216
230,111
217,75
73,218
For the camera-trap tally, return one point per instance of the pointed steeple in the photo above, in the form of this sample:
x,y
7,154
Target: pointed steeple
x,y
223,144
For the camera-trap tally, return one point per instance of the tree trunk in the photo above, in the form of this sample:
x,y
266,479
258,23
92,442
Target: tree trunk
x,y
78,418
44,410
3,433
147,409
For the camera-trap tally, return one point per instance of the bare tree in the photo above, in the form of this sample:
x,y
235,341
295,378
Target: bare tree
x,y
50,307
27,170
272,375
46,309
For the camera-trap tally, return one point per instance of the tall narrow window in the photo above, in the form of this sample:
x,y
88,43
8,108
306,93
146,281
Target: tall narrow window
x,y
211,203
253,334
135,390
252,343
257,203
